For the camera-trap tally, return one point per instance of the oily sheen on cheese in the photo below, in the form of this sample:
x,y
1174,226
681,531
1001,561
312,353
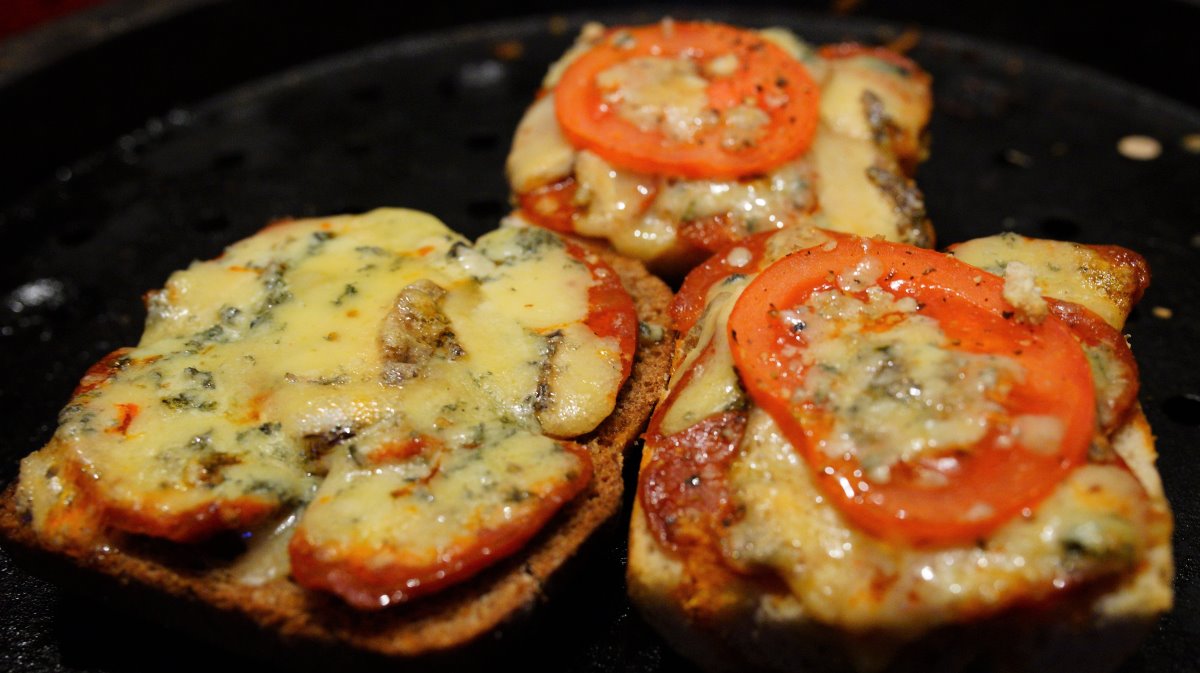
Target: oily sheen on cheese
x,y
405,397
785,577
854,178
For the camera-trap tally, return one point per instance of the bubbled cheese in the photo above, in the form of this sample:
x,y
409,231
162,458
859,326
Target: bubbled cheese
x,y
1099,522
328,346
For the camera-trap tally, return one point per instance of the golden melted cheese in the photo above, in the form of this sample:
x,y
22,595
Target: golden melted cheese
x,y
540,153
329,346
1063,270
849,199
713,386
1095,523
929,393
421,510
665,95
889,95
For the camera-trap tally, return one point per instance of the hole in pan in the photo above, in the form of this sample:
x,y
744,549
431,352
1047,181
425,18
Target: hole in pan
x,y
74,234
1059,228
211,221
225,161
487,209
1183,409
482,141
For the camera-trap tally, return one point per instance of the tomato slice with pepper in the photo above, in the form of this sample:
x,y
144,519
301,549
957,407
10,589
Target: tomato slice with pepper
x,y
745,74
945,494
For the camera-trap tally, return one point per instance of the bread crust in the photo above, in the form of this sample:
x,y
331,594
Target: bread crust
x,y
193,586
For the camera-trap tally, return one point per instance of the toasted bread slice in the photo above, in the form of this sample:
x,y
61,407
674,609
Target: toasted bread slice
x,y
663,174
203,586
788,582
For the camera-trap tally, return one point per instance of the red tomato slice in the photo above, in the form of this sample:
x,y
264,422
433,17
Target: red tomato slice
x,y
764,76
369,578
146,516
551,206
611,312
1128,259
689,302
193,525
980,486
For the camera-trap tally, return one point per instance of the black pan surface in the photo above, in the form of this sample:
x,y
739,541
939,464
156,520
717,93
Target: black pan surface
x,y
1021,142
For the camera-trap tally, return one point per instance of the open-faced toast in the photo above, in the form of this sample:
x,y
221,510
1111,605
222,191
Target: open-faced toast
x,y
875,457
294,350
672,139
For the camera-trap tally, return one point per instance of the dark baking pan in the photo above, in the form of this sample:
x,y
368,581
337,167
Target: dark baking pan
x,y
1022,142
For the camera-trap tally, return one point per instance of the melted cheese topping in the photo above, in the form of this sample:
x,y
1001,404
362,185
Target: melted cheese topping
x,y
1097,523
329,346
580,373
421,510
889,95
617,199
1063,270
667,95
714,386
1022,292
540,153
851,174
848,195
933,397
777,199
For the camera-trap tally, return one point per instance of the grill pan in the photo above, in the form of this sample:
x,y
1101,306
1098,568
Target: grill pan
x,y
1021,142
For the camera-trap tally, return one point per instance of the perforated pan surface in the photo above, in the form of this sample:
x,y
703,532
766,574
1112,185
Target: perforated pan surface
x,y
1021,142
